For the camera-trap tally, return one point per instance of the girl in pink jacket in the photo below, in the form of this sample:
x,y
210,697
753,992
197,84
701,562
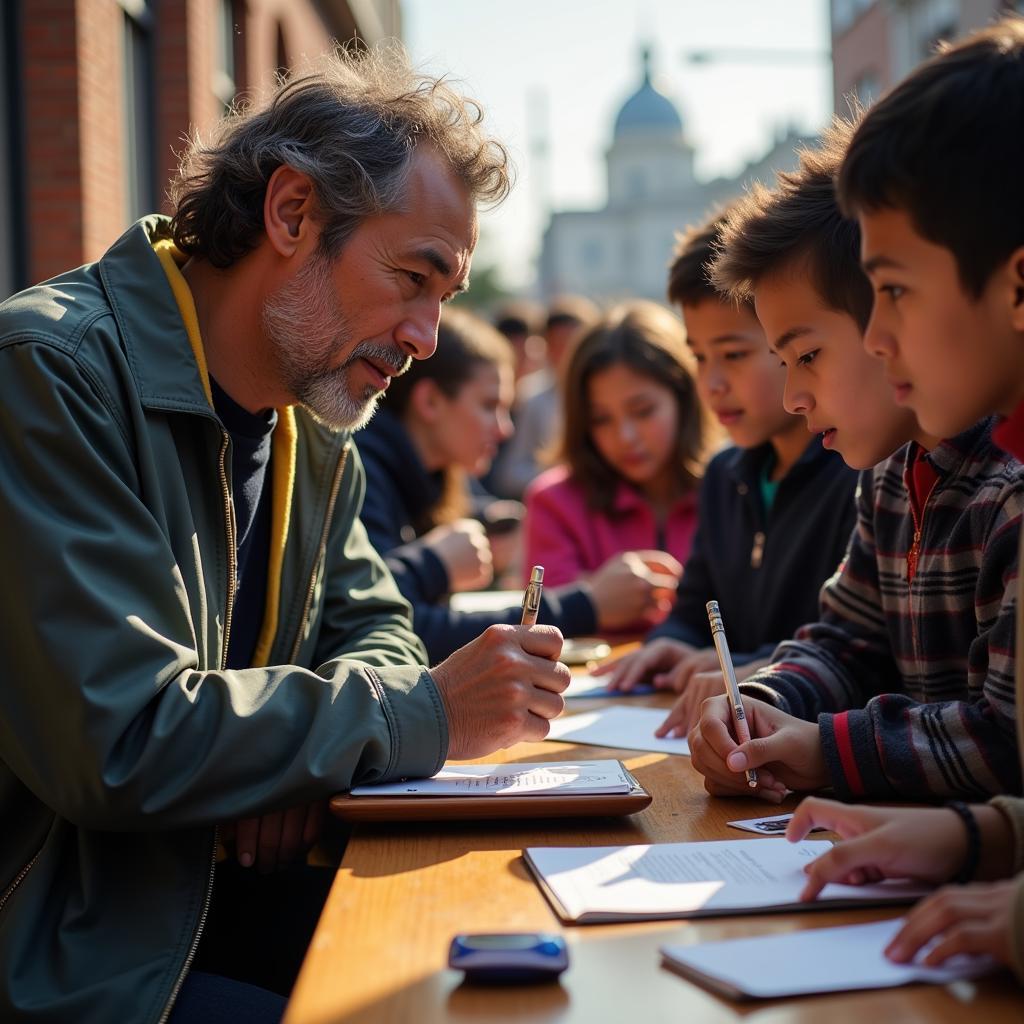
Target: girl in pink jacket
x,y
634,442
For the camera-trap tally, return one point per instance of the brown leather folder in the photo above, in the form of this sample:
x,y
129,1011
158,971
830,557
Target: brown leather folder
x,y
455,808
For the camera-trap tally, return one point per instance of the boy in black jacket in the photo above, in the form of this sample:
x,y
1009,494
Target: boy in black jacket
x,y
775,483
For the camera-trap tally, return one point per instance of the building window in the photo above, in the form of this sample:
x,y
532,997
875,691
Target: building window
x,y
12,193
282,52
139,119
629,257
865,90
636,183
930,42
592,254
227,65
843,13
935,22
846,12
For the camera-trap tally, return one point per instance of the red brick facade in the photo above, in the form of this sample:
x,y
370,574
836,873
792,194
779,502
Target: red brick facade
x,y
75,102
52,136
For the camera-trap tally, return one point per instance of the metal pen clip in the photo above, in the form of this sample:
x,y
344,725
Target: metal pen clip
x,y
531,599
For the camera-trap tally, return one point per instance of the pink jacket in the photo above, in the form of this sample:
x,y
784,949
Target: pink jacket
x,y
571,540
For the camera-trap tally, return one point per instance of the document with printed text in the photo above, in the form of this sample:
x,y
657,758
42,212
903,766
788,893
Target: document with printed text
x,y
529,779
668,880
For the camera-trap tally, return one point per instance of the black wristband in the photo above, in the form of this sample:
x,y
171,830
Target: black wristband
x,y
970,866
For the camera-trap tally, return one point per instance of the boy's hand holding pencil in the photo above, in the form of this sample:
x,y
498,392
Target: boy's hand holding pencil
x,y
785,751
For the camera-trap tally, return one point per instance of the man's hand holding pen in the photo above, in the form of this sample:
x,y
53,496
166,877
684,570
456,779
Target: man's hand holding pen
x,y
506,685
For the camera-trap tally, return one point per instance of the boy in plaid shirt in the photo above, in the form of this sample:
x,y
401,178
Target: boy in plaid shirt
x,y
905,686
945,255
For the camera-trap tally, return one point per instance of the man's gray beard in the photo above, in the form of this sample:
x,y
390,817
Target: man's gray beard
x,y
307,330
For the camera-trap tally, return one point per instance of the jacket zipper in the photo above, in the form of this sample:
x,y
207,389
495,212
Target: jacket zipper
x,y
229,523
915,547
335,485
229,519
757,551
912,558
18,879
199,931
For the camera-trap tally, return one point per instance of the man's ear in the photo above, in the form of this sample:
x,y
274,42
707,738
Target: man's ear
x,y
425,400
1016,274
287,211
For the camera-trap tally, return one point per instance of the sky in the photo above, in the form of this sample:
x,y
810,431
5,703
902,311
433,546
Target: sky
x,y
559,70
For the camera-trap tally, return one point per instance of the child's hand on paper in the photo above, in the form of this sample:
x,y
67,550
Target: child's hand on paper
x,y
786,751
687,670
686,709
927,844
652,661
976,919
698,688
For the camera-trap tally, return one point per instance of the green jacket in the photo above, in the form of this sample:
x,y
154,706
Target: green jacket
x,y
123,741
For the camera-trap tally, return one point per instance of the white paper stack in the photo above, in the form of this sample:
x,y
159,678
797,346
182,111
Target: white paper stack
x,y
806,962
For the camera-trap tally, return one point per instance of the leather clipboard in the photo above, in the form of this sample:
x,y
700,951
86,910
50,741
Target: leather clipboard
x,y
458,808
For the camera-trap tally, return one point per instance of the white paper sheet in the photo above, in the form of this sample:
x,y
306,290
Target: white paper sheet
x,y
626,728
688,879
535,778
585,685
818,960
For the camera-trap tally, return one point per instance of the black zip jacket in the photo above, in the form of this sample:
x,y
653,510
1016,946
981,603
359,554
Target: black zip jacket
x,y
765,572
399,494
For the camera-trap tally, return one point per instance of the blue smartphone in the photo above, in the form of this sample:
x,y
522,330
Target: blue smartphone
x,y
509,958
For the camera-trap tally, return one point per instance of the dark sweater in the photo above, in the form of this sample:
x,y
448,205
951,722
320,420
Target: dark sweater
x,y
399,495
765,571
251,495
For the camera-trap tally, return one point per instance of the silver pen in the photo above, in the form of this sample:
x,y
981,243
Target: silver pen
x,y
732,690
531,599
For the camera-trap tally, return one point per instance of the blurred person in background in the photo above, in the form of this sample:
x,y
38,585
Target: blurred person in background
x,y
440,424
538,412
632,452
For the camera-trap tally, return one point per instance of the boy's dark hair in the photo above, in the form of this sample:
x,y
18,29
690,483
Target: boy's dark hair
x,y
946,145
798,225
688,278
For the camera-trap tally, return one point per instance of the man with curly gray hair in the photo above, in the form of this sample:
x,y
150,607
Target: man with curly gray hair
x,y
199,645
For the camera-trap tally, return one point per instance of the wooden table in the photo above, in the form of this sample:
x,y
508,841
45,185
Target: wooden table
x,y
380,950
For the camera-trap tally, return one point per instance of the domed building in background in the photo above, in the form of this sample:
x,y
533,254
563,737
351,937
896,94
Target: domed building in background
x,y
623,250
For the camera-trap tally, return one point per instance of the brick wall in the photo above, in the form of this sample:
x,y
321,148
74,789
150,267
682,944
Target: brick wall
x,y
51,109
101,118
74,106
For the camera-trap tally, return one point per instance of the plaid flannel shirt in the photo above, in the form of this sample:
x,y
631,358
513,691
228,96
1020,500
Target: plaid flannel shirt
x,y
911,681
